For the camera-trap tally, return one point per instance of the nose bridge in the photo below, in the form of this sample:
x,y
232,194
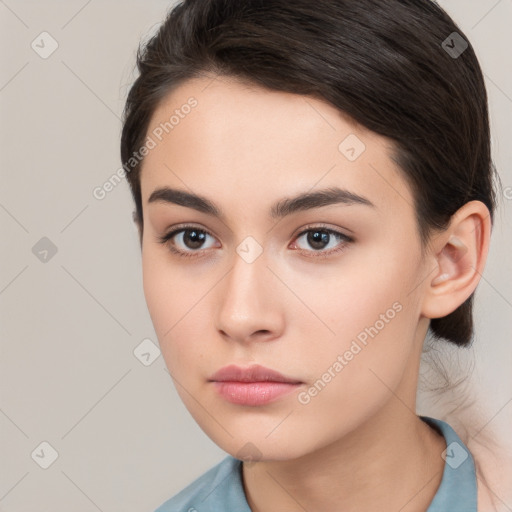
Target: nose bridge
x,y
248,270
246,297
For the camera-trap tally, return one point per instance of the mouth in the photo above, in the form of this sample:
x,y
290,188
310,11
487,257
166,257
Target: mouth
x,y
252,386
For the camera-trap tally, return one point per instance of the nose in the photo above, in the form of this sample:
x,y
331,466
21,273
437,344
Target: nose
x,y
248,306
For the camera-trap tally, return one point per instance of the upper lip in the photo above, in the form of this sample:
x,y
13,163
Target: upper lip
x,y
255,373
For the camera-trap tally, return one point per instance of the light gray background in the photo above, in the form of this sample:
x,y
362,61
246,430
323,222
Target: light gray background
x,y
70,325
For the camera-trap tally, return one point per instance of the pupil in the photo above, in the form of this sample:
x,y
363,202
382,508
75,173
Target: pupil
x,y
318,237
196,237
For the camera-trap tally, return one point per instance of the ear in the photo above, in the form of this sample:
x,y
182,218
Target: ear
x,y
458,259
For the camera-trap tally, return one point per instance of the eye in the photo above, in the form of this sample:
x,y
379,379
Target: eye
x,y
320,238
188,240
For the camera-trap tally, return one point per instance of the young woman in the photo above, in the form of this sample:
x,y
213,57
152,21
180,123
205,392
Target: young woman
x,y
314,195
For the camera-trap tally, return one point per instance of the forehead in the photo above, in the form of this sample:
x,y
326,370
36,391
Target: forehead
x,y
237,141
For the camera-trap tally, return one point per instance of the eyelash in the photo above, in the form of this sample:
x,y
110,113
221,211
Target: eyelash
x,y
319,254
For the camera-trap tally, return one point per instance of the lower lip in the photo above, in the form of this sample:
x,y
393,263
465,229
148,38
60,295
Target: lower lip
x,y
253,393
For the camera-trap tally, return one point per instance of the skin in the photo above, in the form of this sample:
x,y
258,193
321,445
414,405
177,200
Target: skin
x,y
357,444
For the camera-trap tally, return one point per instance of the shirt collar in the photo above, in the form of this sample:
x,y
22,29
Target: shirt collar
x,y
458,489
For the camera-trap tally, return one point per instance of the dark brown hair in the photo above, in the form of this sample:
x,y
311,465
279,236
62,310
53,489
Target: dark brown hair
x,y
394,66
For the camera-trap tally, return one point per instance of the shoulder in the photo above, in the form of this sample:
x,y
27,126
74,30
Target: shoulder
x,y
218,487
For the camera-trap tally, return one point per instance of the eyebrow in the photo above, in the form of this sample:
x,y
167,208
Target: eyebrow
x,y
280,209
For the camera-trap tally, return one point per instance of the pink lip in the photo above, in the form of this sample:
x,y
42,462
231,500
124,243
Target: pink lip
x,y
255,385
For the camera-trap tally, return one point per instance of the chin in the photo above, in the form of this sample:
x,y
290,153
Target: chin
x,y
245,446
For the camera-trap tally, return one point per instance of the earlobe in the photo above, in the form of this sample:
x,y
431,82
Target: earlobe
x,y
459,256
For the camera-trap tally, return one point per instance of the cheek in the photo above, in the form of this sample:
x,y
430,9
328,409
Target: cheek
x,y
352,375
344,300
175,308
159,294
365,314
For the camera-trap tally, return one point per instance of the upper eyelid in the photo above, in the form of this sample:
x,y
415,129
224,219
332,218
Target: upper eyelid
x,y
320,226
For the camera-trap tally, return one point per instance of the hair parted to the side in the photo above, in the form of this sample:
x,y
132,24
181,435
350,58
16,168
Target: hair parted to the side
x,y
379,61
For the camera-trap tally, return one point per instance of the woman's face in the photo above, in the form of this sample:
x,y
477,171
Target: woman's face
x,y
336,309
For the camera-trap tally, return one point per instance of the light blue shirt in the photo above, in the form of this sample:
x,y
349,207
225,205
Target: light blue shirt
x,y
220,489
